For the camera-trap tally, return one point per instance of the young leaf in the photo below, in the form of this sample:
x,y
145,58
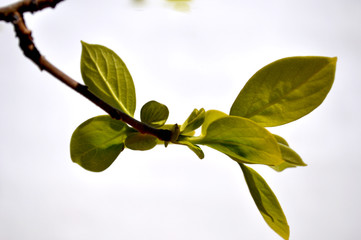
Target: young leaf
x,y
266,202
241,139
138,141
97,142
292,159
285,90
107,77
194,121
196,149
290,156
211,116
281,140
283,166
154,114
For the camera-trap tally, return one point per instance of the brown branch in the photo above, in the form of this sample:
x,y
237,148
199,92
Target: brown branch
x,y
14,13
6,13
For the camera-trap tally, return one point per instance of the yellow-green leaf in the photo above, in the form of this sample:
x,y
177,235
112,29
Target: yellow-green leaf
x,y
292,159
142,142
285,90
241,139
97,142
107,77
280,139
266,202
211,116
154,113
195,148
194,121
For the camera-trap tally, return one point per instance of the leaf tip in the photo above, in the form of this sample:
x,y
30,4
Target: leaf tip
x,y
83,43
333,60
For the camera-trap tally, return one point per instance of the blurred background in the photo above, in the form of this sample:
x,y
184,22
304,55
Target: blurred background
x,y
185,54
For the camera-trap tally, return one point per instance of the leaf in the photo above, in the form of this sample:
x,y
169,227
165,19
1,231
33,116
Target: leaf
x,y
97,142
154,113
266,202
285,90
283,166
194,121
280,139
292,159
241,139
288,154
138,141
107,77
196,149
211,116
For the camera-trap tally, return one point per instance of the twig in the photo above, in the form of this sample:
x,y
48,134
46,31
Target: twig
x,y
7,12
14,14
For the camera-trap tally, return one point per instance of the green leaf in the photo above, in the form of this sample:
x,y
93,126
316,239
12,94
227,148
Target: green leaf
x,y
290,156
266,202
107,77
138,141
154,114
196,149
210,117
280,139
283,166
194,121
241,139
285,90
97,142
292,159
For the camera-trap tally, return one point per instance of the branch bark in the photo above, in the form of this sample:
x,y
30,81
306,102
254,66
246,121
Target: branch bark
x,y
7,12
14,14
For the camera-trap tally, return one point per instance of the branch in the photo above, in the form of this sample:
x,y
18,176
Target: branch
x,y
14,14
21,7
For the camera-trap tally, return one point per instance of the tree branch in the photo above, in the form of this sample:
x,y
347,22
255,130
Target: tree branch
x,y
14,13
21,7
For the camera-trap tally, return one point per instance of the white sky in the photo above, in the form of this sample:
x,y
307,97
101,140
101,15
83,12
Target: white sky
x,y
186,60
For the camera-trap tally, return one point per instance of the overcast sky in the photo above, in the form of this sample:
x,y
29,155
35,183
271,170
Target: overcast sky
x,y
185,59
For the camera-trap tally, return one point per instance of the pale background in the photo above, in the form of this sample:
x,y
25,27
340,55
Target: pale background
x,y
185,59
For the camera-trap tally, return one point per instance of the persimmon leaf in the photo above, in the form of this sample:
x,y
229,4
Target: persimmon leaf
x,y
107,76
194,121
292,159
285,90
241,139
195,148
266,202
138,141
211,116
97,142
154,113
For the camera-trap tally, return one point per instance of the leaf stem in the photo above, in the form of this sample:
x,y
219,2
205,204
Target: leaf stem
x,y
14,13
